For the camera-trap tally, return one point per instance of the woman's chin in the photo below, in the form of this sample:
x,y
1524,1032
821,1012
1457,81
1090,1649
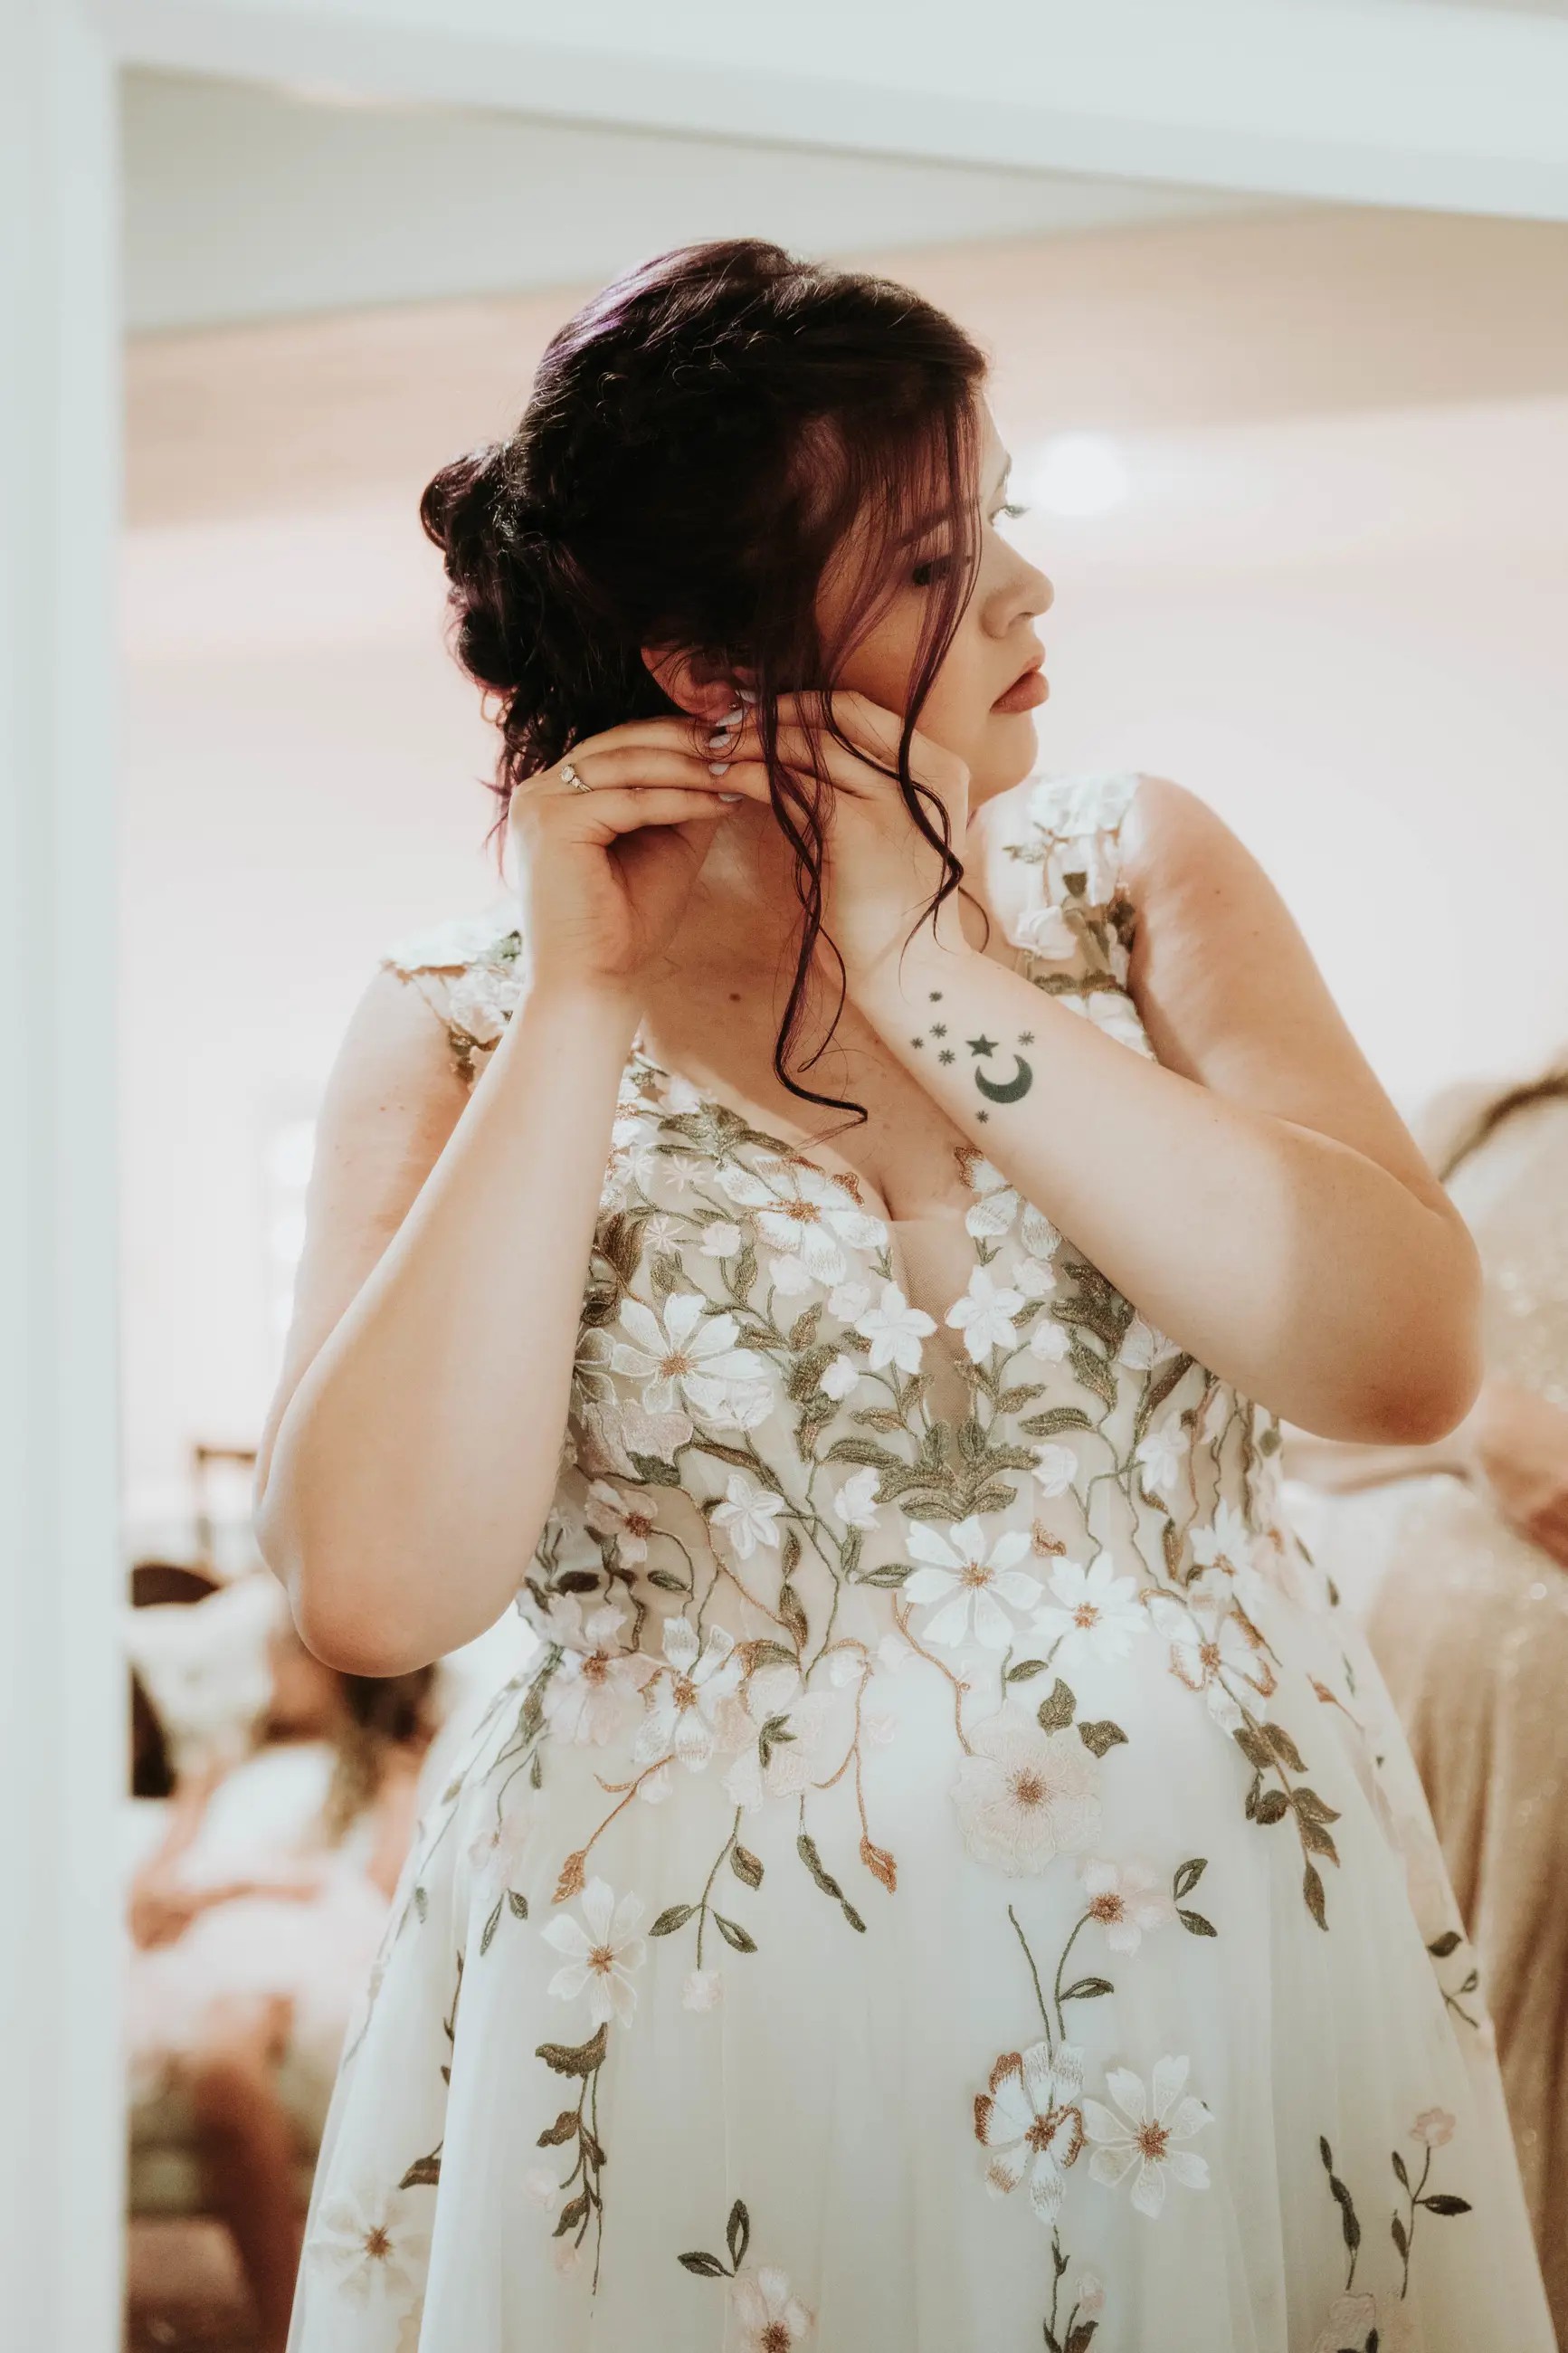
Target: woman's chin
x,y
1006,756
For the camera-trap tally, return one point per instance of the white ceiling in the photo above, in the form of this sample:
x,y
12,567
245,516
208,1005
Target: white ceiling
x,y
248,203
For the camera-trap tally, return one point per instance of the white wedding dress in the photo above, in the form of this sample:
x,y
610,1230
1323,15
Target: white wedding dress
x,y
947,1884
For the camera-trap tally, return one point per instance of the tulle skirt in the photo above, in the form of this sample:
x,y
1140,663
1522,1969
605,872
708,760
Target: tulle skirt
x,y
922,2058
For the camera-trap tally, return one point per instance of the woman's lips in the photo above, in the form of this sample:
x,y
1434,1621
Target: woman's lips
x,y
1026,691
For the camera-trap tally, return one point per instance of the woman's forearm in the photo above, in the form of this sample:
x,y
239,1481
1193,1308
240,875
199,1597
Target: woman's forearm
x,y
1293,1266
416,1462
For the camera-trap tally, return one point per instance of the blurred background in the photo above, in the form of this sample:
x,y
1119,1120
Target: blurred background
x,y
1300,474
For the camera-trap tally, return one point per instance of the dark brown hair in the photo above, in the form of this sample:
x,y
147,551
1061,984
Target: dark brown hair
x,y
698,441
1552,1085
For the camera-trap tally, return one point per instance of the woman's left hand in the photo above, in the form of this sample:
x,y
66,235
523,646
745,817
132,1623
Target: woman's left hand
x,y
880,873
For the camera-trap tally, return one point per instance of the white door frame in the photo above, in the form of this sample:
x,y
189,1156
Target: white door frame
x,y
1477,124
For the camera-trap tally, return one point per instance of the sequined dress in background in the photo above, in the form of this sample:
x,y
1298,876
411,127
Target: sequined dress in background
x,y
1469,1625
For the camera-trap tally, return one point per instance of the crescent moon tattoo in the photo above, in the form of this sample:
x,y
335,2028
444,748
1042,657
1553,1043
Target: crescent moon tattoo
x,y
1012,1090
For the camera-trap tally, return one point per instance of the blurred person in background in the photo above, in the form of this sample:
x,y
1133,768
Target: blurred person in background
x,y
255,1926
937,1884
1468,1613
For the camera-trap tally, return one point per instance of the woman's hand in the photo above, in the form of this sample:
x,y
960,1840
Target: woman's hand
x,y
1518,1446
880,873
604,873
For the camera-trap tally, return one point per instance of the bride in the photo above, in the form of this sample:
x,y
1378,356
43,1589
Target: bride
x,y
833,1244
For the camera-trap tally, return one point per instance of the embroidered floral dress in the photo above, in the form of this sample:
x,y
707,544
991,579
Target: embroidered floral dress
x,y
948,1881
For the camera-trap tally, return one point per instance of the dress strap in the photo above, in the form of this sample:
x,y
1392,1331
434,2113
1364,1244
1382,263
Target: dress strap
x,y
468,969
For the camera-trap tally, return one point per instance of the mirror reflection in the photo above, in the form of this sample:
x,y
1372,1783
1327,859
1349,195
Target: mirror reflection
x,y
1292,504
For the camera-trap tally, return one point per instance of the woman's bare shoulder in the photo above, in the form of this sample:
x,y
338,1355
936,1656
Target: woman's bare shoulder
x,y
393,1098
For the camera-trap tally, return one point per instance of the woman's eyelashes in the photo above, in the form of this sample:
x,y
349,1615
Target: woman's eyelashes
x,y
932,569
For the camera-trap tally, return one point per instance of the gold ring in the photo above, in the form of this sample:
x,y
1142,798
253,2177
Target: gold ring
x,y
573,782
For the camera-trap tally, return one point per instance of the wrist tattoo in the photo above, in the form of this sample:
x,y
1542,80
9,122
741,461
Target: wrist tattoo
x,y
988,1082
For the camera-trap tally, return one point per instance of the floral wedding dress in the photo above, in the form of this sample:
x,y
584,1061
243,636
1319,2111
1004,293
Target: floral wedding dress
x,y
948,1882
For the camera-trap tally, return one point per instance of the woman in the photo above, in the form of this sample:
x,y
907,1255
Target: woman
x,y
253,1925
942,1775
1469,1618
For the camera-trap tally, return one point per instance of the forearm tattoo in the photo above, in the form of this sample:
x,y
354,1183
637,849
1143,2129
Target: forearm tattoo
x,y
990,1081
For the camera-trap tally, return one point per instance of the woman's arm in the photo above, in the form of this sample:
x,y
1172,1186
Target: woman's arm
x,y
1253,1192
415,1445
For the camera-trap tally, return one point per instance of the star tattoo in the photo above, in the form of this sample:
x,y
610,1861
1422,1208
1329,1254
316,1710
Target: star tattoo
x,y
982,1045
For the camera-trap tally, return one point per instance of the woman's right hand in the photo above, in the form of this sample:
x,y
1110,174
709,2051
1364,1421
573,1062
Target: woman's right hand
x,y
603,875
1517,1443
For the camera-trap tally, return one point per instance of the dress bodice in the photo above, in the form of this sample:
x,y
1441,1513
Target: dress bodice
x,y
753,1442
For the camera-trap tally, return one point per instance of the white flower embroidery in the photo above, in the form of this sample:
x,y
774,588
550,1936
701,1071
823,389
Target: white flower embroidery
x,y
895,1330
969,1580
692,1354
1040,1237
632,1150
771,2319
1144,1345
806,1217
1056,1468
371,2242
985,1315
747,1516
541,2188
1144,2134
848,1300
1035,1277
1095,1614
686,1695
609,1513
1030,2125
856,1502
721,1239
1024,1796
496,1853
1110,1010
1210,1650
1228,1553
603,1949
1127,1900
840,1377
990,1217
703,1989
786,1719
587,1699
1434,2128
1047,934
1162,1453
1048,1341
1090,2295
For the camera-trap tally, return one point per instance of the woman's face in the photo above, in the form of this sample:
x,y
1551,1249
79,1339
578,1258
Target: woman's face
x,y
981,702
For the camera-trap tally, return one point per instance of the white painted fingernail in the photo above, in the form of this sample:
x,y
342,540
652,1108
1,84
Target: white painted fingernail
x,y
719,768
722,738
745,694
732,797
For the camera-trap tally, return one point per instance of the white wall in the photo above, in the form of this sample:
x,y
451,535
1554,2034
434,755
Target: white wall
x,y
1341,623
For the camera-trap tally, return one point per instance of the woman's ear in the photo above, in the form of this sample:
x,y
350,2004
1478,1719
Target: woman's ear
x,y
691,684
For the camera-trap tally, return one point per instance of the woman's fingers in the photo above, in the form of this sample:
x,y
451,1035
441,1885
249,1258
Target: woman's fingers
x,y
606,816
